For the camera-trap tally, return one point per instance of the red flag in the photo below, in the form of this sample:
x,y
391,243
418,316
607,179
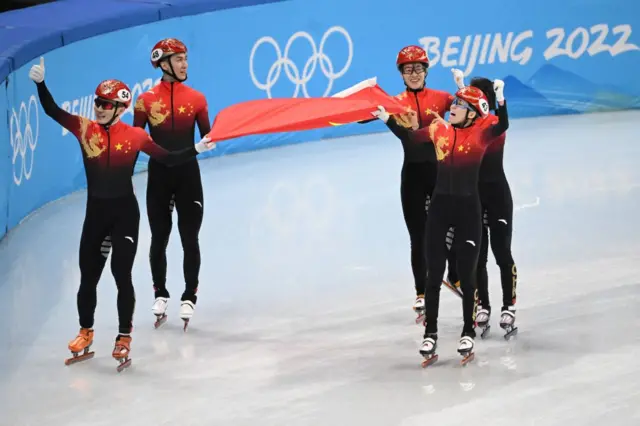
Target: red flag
x,y
293,114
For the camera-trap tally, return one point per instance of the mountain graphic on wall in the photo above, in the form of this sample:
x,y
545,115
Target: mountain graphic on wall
x,y
552,91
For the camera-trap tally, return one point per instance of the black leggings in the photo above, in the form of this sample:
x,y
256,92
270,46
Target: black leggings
x,y
498,221
417,183
464,214
179,186
110,223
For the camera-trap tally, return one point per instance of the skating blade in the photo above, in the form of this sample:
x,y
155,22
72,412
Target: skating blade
x,y
78,358
485,332
123,364
467,359
160,319
428,361
453,288
511,333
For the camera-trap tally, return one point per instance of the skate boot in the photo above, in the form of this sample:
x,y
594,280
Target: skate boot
x,y
507,321
159,310
186,312
418,307
465,348
82,343
121,351
428,349
482,319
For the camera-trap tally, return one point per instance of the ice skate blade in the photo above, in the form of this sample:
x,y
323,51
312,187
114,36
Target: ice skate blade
x,y
123,363
421,319
186,323
78,358
428,360
453,288
511,332
485,331
467,358
160,319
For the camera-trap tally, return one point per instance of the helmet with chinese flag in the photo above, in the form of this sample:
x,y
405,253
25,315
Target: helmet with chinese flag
x,y
114,91
164,49
411,54
475,98
110,95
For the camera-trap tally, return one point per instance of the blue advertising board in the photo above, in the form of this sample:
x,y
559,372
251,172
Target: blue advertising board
x,y
555,58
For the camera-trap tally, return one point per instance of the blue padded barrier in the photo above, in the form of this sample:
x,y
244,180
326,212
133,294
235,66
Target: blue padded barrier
x,y
5,63
28,33
194,7
79,25
21,44
178,8
5,160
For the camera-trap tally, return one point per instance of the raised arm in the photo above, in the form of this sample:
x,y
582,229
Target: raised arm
x,y
62,117
501,111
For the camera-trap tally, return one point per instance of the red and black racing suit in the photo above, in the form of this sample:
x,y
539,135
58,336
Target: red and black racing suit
x,y
497,204
112,216
172,110
418,175
456,203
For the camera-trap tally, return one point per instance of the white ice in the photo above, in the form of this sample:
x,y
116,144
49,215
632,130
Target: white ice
x,y
304,316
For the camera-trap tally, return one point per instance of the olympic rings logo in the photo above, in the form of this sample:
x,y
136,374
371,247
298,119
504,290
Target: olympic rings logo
x,y
292,71
23,138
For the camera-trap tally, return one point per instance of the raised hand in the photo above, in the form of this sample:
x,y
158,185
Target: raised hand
x,y
36,73
458,77
498,87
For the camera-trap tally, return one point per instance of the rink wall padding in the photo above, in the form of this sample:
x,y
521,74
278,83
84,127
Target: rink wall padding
x,y
555,57
5,162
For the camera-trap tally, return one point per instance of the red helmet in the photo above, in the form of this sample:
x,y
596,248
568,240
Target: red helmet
x,y
165,48
476,98
412,54
114,90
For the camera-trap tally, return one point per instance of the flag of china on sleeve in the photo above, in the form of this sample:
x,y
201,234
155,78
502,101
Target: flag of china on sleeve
x,y
292,114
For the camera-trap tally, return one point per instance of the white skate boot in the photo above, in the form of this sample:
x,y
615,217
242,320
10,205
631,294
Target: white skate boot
x,y
428,350
159,310
507,321
482,319
186,312
418,307
466,349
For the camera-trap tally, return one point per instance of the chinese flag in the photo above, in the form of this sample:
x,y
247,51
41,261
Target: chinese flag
x,y
292,114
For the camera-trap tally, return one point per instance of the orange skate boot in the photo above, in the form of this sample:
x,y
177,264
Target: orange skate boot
x,y
82,343
121,351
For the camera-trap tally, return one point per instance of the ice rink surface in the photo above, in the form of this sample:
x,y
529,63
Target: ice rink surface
x,y
304,314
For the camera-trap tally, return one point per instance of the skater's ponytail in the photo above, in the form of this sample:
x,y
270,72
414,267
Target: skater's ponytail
x,y
486,86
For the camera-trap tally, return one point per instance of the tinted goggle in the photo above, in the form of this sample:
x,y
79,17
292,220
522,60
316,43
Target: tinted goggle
x,y
105,104
462,104
415,68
